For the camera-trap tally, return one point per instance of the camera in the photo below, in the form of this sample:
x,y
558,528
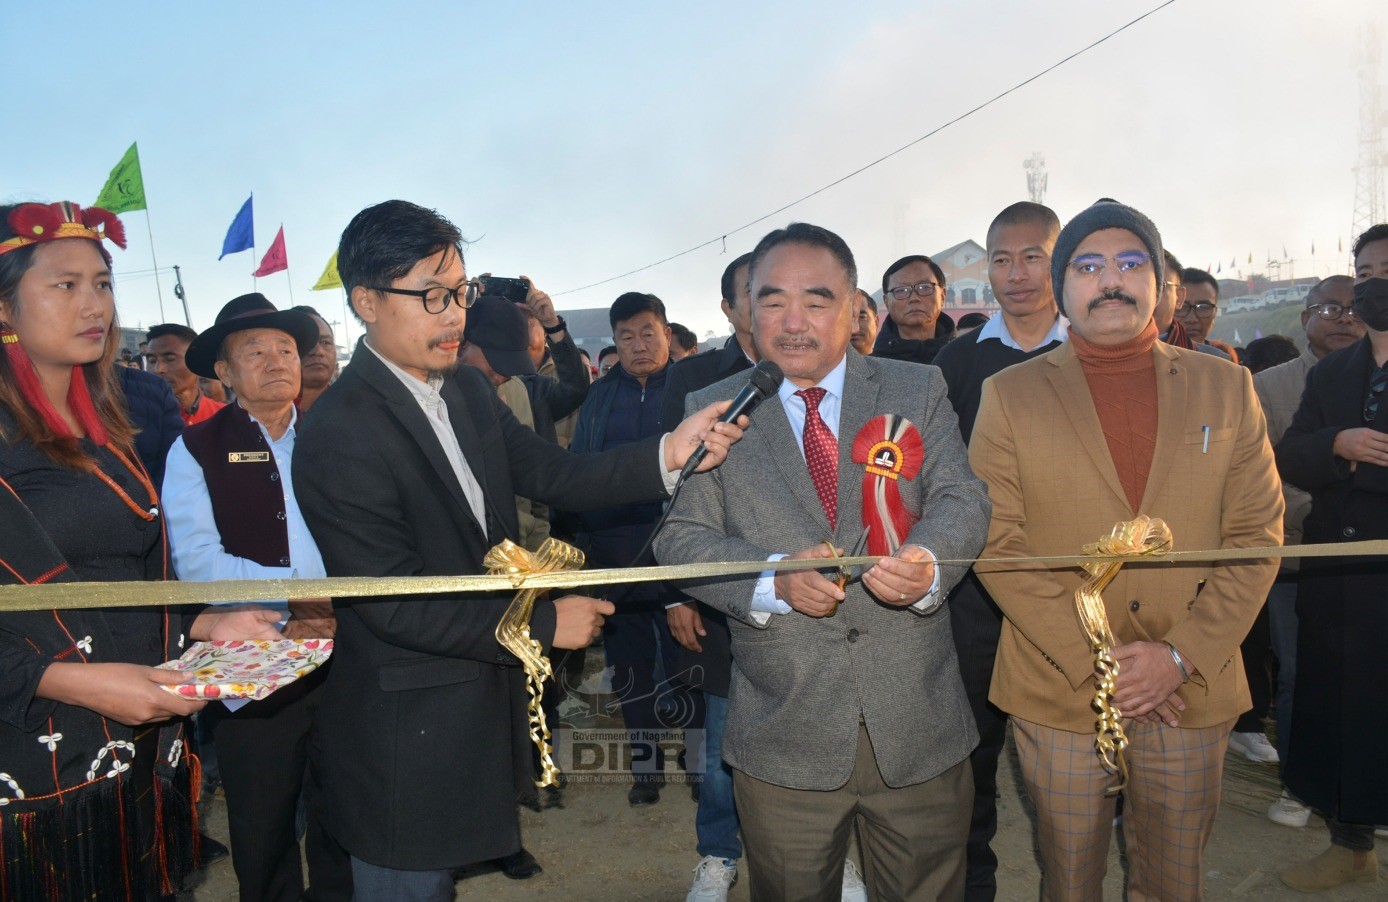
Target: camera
x,y
514,290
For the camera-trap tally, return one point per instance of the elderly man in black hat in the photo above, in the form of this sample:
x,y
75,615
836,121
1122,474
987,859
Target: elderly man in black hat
x,y
232,514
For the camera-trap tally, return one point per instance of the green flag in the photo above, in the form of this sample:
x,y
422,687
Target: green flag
x,y
329,278
125,189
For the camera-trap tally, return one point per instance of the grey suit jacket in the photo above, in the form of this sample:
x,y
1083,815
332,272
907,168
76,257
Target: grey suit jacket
x,y
801,684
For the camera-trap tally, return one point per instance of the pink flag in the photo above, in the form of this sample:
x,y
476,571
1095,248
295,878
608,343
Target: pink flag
x,y
275,259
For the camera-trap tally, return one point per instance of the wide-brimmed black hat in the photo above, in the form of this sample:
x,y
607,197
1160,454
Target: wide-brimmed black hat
x,y
249,311
499,328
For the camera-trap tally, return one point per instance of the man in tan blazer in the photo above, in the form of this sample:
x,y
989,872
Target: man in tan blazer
x,y
1111,425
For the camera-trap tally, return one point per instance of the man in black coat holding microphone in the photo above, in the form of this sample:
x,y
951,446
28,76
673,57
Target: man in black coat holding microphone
x,y
401,472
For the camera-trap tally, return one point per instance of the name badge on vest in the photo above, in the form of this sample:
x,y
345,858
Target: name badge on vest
x,y
247,457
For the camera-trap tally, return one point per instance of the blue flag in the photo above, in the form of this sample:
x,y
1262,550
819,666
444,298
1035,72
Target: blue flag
x,y
241,235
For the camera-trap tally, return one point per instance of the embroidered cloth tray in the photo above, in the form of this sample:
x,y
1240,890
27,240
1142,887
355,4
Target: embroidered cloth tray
x,y
246,668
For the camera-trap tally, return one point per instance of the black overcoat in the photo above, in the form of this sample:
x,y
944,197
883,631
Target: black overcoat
x,y
422,710
1338,761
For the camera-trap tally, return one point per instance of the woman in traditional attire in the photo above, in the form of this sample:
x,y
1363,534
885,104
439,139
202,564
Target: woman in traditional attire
x,y
96,784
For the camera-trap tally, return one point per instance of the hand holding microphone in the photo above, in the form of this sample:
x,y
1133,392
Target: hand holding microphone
x,y
706,435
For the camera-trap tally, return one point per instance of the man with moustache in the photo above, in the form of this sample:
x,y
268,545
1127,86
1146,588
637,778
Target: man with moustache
x,y
1331,323
864,324
846,703
915,327
1020,240
403,472
1337,449
319,367
1113,424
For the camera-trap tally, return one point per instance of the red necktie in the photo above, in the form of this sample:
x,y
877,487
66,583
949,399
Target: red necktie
x,y
821,455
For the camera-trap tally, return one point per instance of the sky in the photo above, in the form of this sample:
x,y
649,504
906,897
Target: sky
x,y
573,142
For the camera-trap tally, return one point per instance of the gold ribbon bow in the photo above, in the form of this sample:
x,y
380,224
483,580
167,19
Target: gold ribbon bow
x,y
1134,538
513,632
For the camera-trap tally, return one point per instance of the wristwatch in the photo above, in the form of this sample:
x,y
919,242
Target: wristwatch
x,y
556,328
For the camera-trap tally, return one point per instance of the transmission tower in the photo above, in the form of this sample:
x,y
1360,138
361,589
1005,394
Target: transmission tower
x,y
1369,205
1035,165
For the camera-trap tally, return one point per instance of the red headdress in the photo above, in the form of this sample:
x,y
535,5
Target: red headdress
x,y
33,223
890,449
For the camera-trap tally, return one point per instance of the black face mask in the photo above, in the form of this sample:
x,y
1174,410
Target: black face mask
x,y
1371,303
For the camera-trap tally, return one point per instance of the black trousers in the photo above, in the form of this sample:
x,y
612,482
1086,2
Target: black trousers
x,y
977,624
643,657
1256,649
268,757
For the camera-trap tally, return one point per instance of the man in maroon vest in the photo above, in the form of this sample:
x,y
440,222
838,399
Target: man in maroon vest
x,y
232,514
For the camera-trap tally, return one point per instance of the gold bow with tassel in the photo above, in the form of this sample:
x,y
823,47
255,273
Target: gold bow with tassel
x,y
513,632
1133,538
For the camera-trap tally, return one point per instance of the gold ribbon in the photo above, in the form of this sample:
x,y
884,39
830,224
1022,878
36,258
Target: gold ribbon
x,y
513,632
68,595
1143,536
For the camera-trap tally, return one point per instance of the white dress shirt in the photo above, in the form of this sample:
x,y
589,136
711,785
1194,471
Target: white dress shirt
x,y
996,328
436,412
765,601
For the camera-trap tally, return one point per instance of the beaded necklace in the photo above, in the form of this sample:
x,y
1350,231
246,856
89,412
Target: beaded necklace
x,y
139,474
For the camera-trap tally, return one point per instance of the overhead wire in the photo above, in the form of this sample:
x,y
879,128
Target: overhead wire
x,y
882,159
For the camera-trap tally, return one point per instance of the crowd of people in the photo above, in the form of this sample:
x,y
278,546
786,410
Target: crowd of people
x,y
827,702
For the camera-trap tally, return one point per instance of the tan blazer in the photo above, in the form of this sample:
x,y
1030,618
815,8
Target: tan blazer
x,y
1039,447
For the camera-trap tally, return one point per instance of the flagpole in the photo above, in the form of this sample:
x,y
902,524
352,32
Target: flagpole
x,y
291,284
157,288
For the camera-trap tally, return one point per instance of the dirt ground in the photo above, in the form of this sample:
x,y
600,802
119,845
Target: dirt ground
x,y
598,847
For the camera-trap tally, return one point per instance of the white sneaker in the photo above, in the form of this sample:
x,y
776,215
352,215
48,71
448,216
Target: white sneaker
x,y
1288,812
713,877
1254,747
854,889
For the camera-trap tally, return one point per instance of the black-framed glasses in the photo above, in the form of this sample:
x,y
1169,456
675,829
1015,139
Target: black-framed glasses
x,y
1091,266
437,299
922,290
1202,309
1332,311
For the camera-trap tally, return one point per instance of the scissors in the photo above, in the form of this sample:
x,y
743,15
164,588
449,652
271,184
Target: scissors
x,y
843,575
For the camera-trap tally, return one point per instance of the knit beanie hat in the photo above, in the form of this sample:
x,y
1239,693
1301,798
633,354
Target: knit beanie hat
x,y
1106,213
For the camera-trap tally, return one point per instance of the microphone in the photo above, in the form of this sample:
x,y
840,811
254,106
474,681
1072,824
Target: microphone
x,y
764,380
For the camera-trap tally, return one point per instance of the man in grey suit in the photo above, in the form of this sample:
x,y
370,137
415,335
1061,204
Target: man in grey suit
x,y
844,703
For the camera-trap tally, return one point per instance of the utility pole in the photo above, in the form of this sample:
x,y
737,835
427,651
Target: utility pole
x,y
182,296
1035,165
1369,205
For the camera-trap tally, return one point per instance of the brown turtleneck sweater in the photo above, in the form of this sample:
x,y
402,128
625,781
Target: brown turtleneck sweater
x,y
1123,382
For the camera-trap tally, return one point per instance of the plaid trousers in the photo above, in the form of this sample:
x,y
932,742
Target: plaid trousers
x,y
1168,812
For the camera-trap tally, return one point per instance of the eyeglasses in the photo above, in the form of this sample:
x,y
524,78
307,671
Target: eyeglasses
x,y
436,300
1093,265
1203,309
922,290
1332,311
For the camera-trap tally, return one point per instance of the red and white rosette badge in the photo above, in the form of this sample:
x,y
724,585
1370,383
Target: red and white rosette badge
x,y
890,449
